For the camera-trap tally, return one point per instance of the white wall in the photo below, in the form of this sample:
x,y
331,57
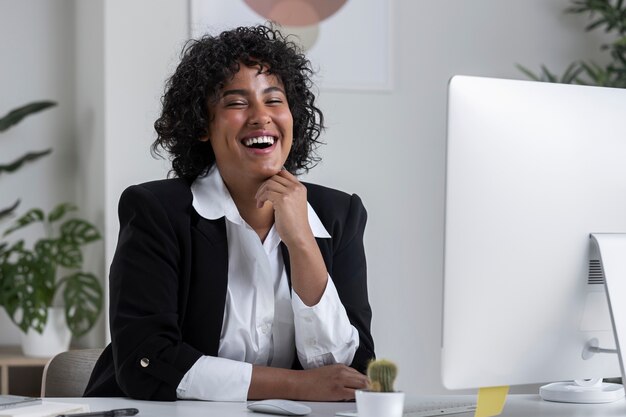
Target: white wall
x,y
90,133
395,138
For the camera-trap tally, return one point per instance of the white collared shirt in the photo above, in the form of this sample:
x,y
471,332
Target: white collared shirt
x,y
263,319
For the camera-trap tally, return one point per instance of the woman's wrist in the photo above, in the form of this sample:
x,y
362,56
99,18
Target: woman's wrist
x,y
293,385
270,382
302,241
308,272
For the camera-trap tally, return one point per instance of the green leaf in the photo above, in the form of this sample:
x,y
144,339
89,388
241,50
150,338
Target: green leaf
x,y
29,157
597,23
79,232
546,75
571,73
15,116
47,249
27,288
6,212
83,301
61,210
528,73
69,255
598,75
31,216
17,246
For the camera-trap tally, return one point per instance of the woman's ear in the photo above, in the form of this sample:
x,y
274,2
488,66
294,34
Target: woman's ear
x,y
204,138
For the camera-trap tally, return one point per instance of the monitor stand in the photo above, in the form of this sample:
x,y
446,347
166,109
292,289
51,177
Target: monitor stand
x,y
584,391
612,250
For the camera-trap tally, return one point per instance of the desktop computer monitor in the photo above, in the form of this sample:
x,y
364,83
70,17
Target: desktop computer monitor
x,y
532,169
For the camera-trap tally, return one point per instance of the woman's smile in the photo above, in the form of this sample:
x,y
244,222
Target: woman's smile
x,y
260,142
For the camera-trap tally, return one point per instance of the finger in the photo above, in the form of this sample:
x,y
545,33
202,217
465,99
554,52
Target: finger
x,y
348,394
284,179
270,186
261,198
358,382
268,195
286,174
359,379
276,189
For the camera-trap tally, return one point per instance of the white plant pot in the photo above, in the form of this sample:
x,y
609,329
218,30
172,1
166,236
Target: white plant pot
x,y
379,404
55,338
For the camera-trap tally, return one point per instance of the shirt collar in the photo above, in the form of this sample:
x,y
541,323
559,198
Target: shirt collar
x,y
212,201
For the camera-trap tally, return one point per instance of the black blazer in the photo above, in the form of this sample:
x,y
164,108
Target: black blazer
x,y
168,284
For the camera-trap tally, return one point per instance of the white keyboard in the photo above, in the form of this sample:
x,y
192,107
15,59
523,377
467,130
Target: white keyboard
x,y
427,409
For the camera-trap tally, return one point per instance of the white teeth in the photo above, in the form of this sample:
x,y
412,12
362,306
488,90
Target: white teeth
x,y
260,139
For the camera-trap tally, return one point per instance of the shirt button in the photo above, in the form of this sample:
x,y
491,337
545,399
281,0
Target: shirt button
x,y
308,319
312,341
144,362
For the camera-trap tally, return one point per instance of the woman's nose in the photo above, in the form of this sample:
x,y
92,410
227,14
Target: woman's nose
x,y
259,116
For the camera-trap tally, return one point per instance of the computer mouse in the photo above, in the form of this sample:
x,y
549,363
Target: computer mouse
x,y
280,407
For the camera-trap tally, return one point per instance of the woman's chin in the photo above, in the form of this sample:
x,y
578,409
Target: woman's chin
x,y
268,171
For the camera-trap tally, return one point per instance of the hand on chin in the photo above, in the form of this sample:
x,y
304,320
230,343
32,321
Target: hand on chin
x,y
268,172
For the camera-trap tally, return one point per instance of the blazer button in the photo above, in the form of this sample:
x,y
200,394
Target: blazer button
x,y
144,362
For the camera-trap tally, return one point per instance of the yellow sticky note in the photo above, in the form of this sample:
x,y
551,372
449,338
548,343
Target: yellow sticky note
x,y
491,401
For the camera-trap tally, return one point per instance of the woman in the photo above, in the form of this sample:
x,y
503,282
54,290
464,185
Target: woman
x,y
235,280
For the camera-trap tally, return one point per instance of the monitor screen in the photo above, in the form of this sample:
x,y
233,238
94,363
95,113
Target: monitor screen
x,y
532,169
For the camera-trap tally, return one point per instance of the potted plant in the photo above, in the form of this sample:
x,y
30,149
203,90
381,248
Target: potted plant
x,y
32,281
381,399
606,14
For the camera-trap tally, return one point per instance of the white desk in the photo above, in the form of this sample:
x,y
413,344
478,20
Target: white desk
x,y
516,406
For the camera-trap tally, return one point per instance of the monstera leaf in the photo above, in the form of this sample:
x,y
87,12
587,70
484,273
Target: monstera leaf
x,y
27,289
79,232
61,210
31,216
83,301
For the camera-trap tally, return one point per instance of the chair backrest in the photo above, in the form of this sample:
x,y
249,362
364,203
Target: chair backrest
x,y
67,374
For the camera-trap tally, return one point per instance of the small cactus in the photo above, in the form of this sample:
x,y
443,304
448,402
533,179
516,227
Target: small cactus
x,y
382,373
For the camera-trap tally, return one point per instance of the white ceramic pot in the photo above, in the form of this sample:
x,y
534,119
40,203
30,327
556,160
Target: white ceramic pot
x,y
379,404
55,338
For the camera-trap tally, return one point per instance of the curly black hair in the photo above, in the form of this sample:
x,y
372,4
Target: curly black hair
x,y
206,65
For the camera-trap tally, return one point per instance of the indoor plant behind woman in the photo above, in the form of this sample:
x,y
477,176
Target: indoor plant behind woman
x,y
32,281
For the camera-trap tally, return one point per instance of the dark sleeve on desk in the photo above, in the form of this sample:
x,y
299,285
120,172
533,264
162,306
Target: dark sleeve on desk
x,y
349,273
149,356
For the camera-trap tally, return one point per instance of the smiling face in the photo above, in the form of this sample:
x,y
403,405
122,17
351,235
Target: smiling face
x,y
251,127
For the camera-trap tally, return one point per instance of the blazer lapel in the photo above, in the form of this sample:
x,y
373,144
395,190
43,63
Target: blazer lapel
x,y
208,284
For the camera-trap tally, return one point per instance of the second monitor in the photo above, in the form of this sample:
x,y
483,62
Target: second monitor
x,y
532,169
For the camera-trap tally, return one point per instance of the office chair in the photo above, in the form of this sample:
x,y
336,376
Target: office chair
x,y
67,374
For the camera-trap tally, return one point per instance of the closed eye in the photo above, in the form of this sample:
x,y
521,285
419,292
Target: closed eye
x,y
236,104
